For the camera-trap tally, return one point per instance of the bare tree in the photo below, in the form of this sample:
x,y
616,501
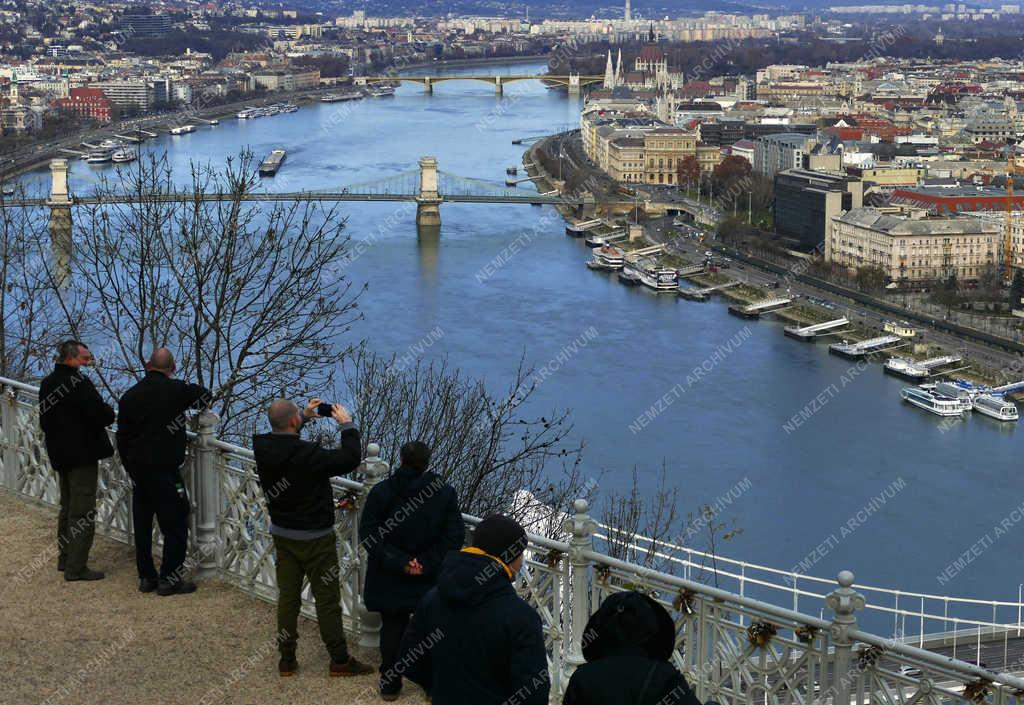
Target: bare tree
x,y
497,456
637,528
30,322
251,298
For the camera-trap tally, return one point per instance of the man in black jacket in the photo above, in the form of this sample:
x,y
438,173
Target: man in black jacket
x,y
74,418
410,522
296,479
151,442
628,644
472,638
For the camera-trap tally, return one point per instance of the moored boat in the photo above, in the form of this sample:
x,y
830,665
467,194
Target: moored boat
x,y
907,369
629,277
182,129
996,407
607,257
99,156
931,401
273,162
124,155
656,276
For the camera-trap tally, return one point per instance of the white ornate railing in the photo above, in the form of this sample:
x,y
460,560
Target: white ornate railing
x,y
733,649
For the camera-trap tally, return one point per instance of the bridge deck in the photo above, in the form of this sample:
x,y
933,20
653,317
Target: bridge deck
x,y
105,642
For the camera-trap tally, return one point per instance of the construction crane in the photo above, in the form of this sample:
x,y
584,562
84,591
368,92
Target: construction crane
x,y
1008,235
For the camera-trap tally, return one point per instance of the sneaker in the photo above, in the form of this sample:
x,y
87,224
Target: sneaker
x,y
179,587
352,667
148,584
287,667
87,574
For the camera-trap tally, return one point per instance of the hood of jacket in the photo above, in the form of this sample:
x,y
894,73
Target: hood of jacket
x,y
629,622
468,580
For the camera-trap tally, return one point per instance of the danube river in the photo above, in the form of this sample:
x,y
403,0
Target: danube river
x,y
818,460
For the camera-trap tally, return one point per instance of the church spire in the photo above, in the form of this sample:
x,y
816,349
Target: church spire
x,y
609,76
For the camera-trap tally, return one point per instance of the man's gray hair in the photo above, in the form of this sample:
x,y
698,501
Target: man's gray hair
x,y
68,349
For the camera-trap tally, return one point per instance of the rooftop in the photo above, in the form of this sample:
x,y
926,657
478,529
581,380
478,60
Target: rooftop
x,y
890,224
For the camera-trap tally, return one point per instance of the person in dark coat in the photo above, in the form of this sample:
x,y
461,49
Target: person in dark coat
x,y
410,522
295,476
627,644
74,420
473,639
151,443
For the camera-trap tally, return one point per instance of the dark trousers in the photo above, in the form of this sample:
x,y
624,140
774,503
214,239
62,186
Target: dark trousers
x,y
76,522
155,494
317,560
392,627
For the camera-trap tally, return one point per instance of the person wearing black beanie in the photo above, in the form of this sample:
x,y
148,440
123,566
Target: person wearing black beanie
x,y
472,638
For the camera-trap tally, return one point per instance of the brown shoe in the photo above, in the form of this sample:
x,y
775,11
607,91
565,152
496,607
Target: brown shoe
x,y
352,667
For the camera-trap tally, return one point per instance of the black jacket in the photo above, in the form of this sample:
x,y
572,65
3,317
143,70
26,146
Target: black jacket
x,y
627,644
296,476
74,418
151,421
474,641
408,515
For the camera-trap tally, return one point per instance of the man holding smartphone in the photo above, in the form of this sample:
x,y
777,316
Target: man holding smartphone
x,y
296,479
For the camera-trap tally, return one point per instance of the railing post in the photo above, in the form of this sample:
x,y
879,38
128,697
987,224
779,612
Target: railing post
x,y
844,601
581,528
367,623
207,487
9,420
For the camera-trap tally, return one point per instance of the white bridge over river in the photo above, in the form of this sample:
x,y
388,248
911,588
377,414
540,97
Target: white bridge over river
x,y
759,636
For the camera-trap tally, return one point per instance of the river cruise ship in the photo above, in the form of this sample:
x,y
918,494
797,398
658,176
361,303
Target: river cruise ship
x,y
932,402
996,407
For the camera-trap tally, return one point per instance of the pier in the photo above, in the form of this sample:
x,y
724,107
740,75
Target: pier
x,y
818,329
703,294
855,351
915,371
607,238
755,310
635,255
516,182
128,138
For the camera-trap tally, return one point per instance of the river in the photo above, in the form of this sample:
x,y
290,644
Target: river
x,y
858,480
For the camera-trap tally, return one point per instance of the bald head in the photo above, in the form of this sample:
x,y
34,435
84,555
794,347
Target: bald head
x,y
284,416
161,361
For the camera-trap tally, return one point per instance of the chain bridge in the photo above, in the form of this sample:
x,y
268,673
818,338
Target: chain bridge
x,y
573,81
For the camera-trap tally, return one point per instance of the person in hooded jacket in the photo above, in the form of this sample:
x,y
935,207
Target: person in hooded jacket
x,y
408,524
473,640
627,644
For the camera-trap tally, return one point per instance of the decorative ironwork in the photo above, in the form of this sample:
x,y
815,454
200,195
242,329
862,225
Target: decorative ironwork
x,y
760,633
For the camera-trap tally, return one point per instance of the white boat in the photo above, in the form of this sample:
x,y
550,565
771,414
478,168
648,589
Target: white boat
x,y
655,276
383,92
950,390
246,114
123,155
182,129
99,156
111,144
996,407
608,257
289,108
930,401
902,367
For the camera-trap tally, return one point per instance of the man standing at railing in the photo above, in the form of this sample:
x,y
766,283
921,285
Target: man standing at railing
x,y
296,479
409,524
74,420
151,442
473,640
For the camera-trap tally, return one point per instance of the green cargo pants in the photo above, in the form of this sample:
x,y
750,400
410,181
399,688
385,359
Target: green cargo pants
x,y
76,522
316,560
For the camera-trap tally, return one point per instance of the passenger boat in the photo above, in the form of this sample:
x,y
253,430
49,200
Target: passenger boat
x,y
123,155
602,240
932,402
608,257
657,277
902,367
99,156
996,407
182,129
512,170
383,92
950,390
7,190
273,162
289,108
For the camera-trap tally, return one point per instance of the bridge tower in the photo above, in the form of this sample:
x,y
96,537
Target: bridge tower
x,y
428,84
60,219
428,201
574,84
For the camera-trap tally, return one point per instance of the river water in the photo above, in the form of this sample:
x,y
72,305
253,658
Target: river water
x,y
857,480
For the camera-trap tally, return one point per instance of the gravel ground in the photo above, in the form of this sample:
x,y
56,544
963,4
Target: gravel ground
x,y
104,642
